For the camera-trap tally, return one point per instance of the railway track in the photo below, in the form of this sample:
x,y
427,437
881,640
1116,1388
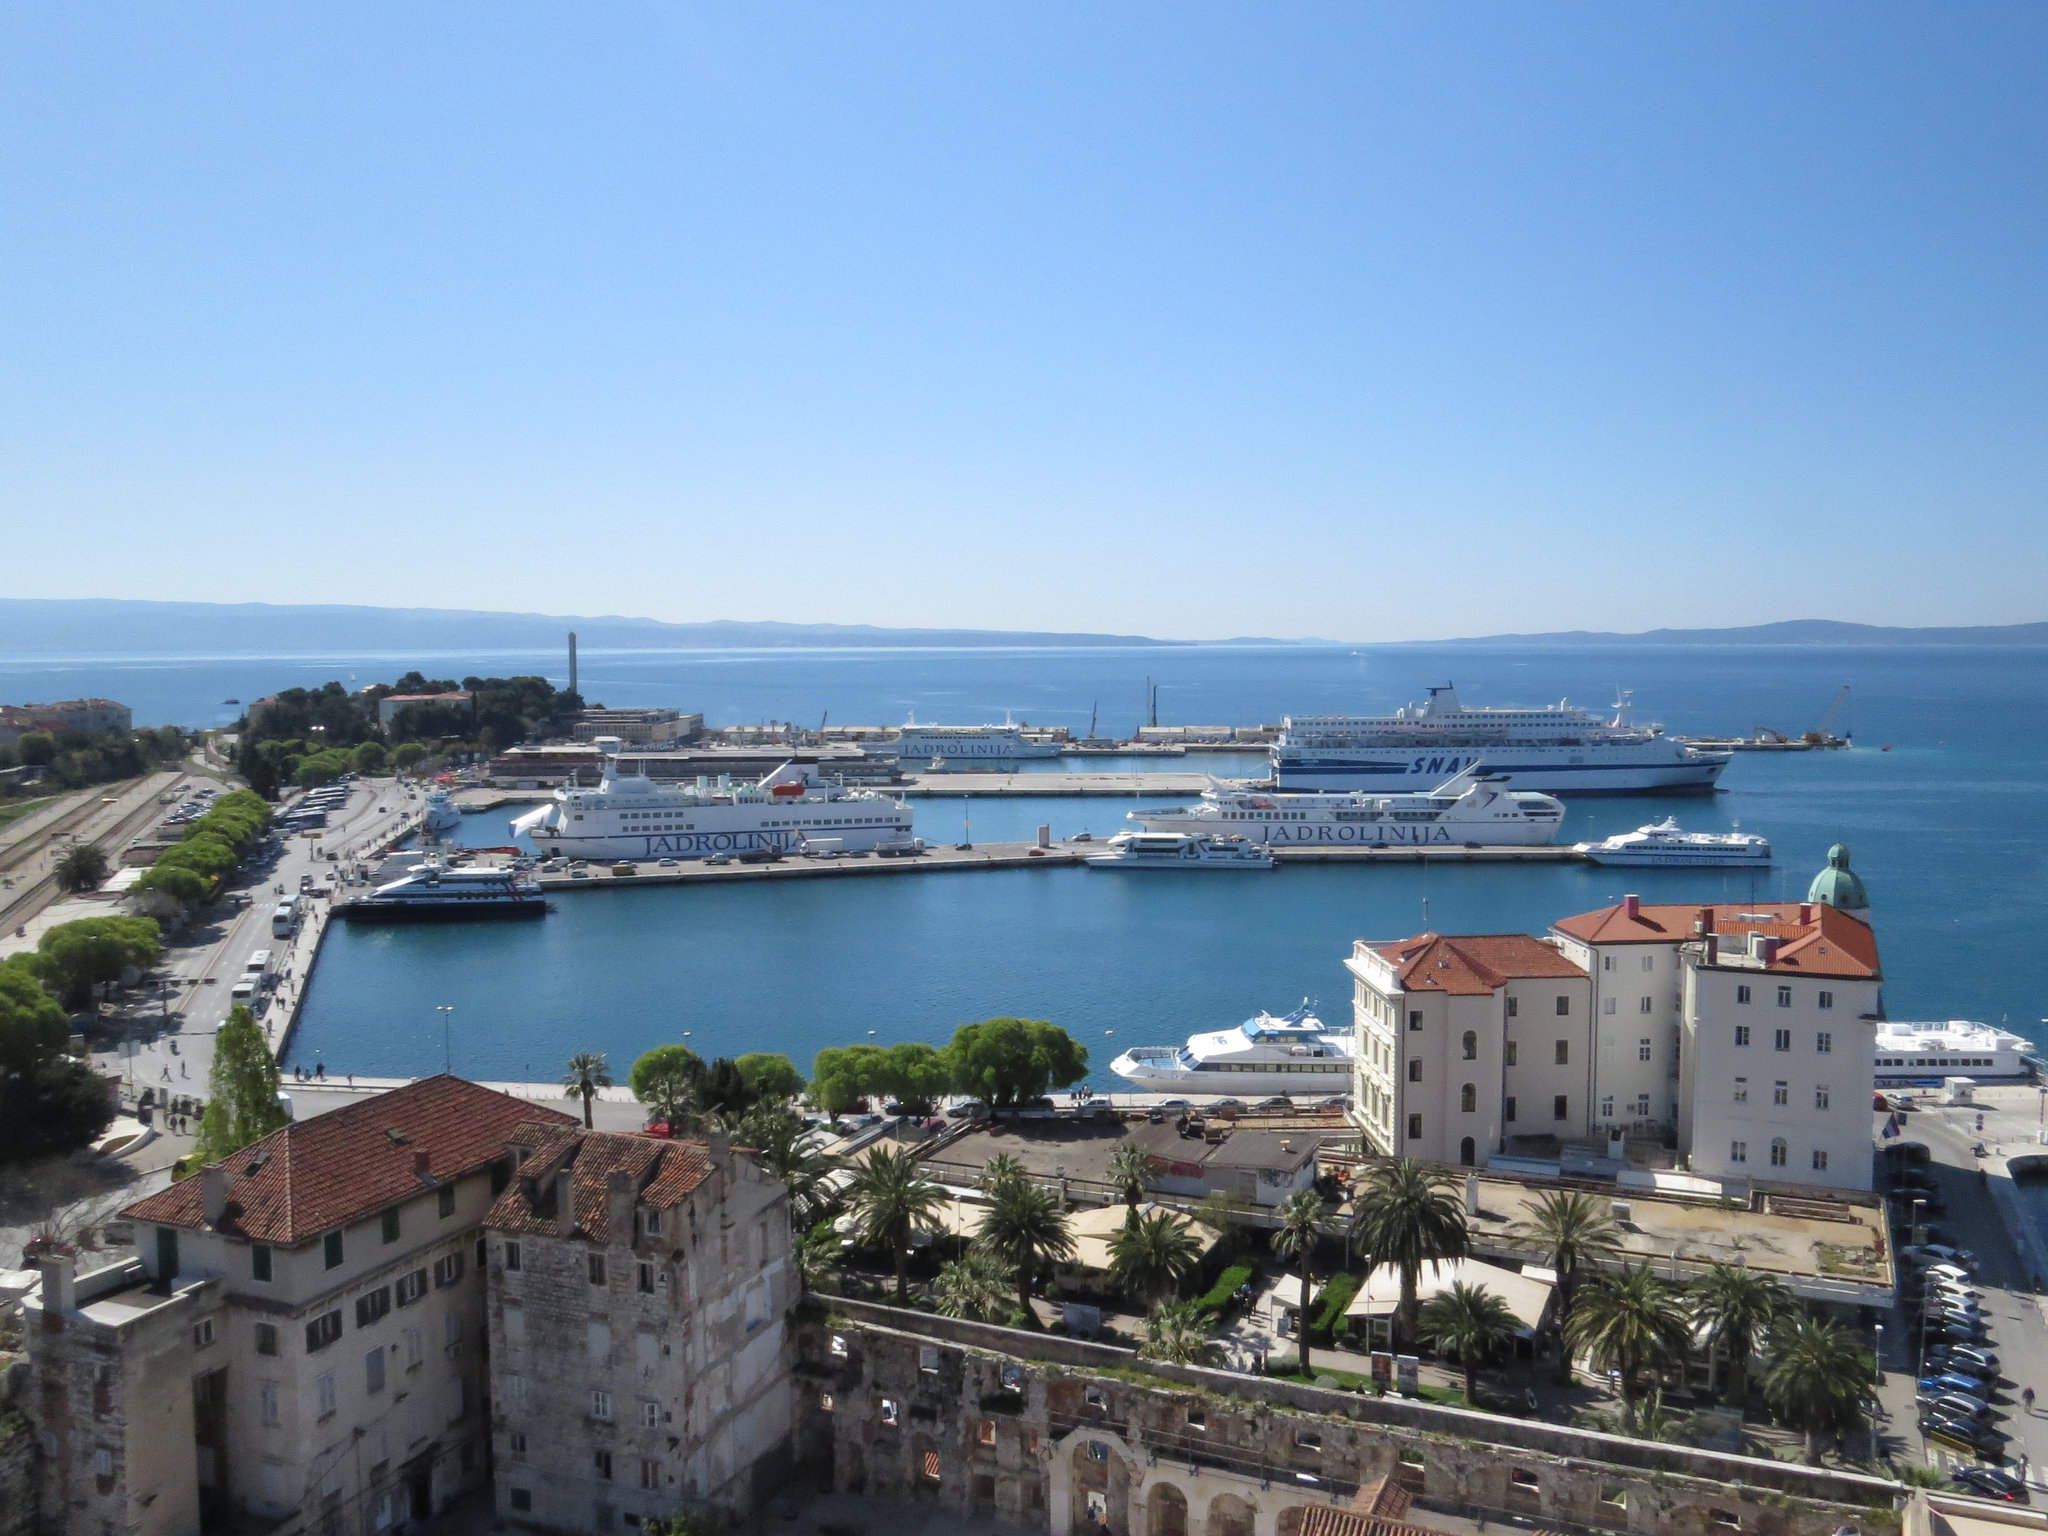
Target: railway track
x,y
25,900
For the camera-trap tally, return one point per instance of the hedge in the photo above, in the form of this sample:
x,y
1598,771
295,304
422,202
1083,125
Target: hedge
x,y
1330,1306
1227,1284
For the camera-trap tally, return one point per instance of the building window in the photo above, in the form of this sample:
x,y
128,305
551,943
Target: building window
x,y
1742,1034
1607,1106
1468,1099
1643,1049
650,1414
521,1498
1646,1005
1510,1053
1820,1098
1820,1161
1415,1018
1607,962
825,1404
202,1333
518,1439
1738,1151
373,1369
445,1200
929,1466
1507,1109
323,1392
1564,1053
515,1389
266,1338
373,1306
650,1223
645,1278
1560,1107
595,1263
447,1270
412,1287
1642,1106
1824,1042
889,1411
1824,1000
1742,1090
1784,997
330,1250
323,1330
415,1347
1470,1045
1564,1007
1607,1006
1649,962
1781,1039
259,1262
266,1397
1781,1094
512,1256
1742,993
601,1405
1778,1151
1514,1007
650,1474
1415,1127
985,1432
601,1464
1414,1069
391,1225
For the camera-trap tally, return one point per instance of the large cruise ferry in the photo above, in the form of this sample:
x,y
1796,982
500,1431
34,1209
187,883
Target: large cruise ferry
x,y
628,816
1296,1055
1473,807
1557,749
986,743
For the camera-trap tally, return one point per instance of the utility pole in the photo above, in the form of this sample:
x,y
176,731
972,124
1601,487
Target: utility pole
x,y
447,1012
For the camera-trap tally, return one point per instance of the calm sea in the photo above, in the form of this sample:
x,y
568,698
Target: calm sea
x,y
1948,827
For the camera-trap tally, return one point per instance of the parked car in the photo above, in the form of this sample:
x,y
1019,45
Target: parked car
x,y
973,1109
719,858
1944,1285
1278,1102
664,863
1990,1483
1951,1381
1964,1432
1975,1362
1954,1405
1939,1253
1961,1332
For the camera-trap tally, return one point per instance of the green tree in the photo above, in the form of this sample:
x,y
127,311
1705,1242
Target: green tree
x,y
1025,1228
1001,1171
1472,1323
82,869
1734,1308
370,758
58,1105
666,1079
1178,1334
1011,1061
181,885
78,956
1817,1378
1301,1228
1152,1255
770,1076
1128,1166
915,1075
1572,1231
1408,1215
890,1197
1629,1322
840,1076
33,1028
782,1149
583,1075
36,749
817,1257
407,755
241,1090
975,1285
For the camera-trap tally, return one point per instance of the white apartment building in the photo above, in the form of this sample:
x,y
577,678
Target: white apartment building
x,y
640,1358
1465,1044
1631,954
301,1335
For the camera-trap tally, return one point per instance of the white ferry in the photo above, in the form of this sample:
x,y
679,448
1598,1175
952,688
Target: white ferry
x,y
1297,1055
439,813
982,743
1179,850
632,817
1921,1055
1558,749
435,893
1471,808
1664,845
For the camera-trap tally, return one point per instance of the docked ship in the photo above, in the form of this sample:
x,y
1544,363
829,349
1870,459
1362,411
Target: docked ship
x,y
1557,749
1472,808
439,813
629,816
1296,1055
1004,743
1912,1055
1179,850
435,893
1664,845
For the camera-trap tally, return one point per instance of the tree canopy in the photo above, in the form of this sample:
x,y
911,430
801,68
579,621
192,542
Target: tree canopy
x,y
76,957
33,1028
241,1090
1011,1061
770,1077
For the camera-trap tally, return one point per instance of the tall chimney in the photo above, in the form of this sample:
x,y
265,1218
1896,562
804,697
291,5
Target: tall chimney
x,y
565,1202
60,1285
422,1163
1767,949
618,1205
1806,914
213,1192
718,1146
1631,905
572,661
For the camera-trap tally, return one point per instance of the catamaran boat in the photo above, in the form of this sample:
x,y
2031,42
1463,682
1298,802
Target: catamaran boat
x,y
629,816
439,813
1003,743
437,893
1663,844
1472,808
1557,750
1179,850
1297,1055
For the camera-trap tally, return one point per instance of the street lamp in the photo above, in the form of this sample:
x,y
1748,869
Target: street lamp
x,y
446,1010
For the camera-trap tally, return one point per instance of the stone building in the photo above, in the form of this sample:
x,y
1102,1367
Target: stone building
x,y
639,1290
1069,1437
85,716
301,1334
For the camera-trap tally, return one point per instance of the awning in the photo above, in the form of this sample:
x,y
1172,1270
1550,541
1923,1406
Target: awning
x,y
1525,1295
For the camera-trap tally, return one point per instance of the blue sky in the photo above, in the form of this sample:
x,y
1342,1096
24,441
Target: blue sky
x,y
1368,321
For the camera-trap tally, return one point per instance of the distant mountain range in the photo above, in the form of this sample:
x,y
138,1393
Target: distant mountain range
x,y
110,626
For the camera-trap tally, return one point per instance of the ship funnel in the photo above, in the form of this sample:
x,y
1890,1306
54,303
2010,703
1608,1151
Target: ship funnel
x,y
609,745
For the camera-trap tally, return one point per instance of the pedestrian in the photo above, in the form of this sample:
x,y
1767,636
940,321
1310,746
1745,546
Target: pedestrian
x,y
2027,1397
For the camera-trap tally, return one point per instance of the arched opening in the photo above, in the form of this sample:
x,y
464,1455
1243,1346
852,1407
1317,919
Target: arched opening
x,y
1166,1511
1468,1099
1100,1489
1778,1152
1471,1044
924,1464
1229,1516
1468,1153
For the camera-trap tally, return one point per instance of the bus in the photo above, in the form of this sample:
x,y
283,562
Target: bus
x,y
284,917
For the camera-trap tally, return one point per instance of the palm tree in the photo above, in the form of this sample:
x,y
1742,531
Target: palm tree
x,y
1648,1419
1001,1170
1178,1333
1153,1254
1128,1165
1735,1308
1471,1322
1818,1377
1024,1227
785,1155
1571,1231
1629,1322
586,1074
975,1285
1408,1216
669,1090
1301,1228
817,1256
890,1196
81,869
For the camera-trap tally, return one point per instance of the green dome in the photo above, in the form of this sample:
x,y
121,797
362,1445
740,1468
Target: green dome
x,y
1838,885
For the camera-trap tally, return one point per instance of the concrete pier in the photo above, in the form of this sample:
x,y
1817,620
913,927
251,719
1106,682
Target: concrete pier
x,y
1056,785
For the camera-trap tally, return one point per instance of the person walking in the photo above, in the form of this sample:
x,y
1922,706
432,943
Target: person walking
x,y
2027,1397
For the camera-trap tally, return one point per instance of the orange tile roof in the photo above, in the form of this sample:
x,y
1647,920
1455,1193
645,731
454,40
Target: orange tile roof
x,y
663,1174
318,1174
1816,939
1472,964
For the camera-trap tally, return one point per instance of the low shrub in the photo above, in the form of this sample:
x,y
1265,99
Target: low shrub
x,y
1218,1297
1330,1305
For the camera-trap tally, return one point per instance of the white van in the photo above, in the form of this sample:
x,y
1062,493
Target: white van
x,y
244,991
259,962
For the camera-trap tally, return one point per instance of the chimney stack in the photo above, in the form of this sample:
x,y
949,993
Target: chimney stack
x,y
719,1145
1631,905
213,1192
60,1285
1806,914
565,1202
1713,949
423,1163
618,1205
1767,949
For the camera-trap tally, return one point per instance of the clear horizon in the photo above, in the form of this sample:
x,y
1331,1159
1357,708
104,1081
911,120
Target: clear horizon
x,y
1401,324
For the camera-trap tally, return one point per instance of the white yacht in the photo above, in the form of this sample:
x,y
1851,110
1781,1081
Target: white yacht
x,y
433,892
980,743
1557,749
1663,844
439,813
1909,1055
1179,850
1472,808
628,816
1298,1055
